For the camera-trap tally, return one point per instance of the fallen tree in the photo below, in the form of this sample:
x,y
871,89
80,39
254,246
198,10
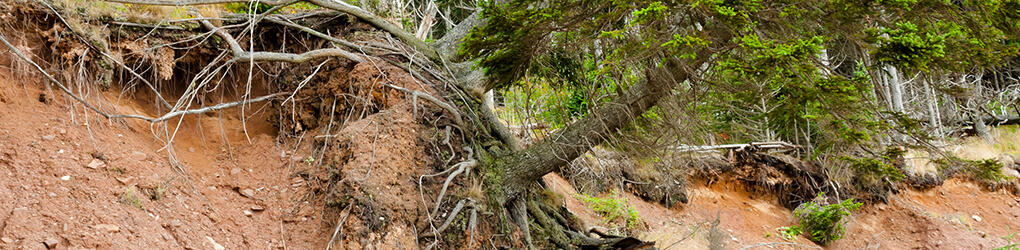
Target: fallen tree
x,y
649,51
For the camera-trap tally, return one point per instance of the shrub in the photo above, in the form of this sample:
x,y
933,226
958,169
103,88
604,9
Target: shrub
x,y
989,170
824,223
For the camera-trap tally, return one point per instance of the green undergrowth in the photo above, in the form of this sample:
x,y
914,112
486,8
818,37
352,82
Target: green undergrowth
x,y
613,209
822,224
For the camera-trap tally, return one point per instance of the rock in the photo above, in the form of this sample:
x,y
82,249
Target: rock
x,y
51,242
96,164
247,213
65,178
98,155
7,240
109,228
49,137
215,245
138,156
257,208
235,171
247,192
125,180
976,218
62,131
175,223
1009,171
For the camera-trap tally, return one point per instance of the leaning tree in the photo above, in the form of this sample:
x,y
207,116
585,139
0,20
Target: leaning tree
x,y
809,63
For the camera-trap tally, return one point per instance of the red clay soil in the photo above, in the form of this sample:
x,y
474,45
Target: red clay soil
x,y
945,217
79,182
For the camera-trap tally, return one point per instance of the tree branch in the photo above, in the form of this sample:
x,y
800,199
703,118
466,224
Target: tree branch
x,y
341,6
240,54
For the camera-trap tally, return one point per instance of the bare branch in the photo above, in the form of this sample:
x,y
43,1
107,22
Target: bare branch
x,y
341,6
214,107
241,54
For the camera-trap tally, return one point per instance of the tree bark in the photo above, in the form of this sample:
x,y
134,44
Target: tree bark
x,y
556,150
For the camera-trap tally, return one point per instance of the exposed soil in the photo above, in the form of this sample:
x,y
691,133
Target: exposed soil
x,y
89,183
957,215
79,181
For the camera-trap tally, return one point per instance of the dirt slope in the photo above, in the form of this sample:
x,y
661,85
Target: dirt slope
x,y
73,180
956,215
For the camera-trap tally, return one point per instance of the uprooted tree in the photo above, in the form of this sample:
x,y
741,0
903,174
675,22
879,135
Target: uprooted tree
x,y
827,67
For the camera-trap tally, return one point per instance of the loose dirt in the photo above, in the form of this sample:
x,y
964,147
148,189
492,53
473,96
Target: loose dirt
x,y
956,215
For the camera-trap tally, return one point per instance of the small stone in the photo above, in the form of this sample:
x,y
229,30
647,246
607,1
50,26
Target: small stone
x,y
7,240
49,137
65,178
138,156
247,192
257,208
62,131
175,223
51,242
96,164
109,228
52,194
235,171
247,213
216,246
976,218
191,149
125,180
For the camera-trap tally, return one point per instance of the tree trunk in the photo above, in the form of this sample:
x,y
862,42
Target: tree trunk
x,y
525,167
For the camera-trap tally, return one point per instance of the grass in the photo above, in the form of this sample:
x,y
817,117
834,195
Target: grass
x,y
612,208
130,198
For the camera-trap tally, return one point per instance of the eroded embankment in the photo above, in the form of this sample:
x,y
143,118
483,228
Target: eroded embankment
x,y
958,214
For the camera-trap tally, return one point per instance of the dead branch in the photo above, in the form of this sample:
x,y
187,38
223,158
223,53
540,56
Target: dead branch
x,y
214,107
242,55
761,145
313,32
341,6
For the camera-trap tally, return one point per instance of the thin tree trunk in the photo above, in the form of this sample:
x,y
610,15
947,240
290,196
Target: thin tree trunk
x,y
558,149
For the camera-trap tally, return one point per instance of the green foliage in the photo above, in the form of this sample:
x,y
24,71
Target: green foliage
x,y
906,46
1010,245
988,170
760,71
612,208
876,172
824,223
790,233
